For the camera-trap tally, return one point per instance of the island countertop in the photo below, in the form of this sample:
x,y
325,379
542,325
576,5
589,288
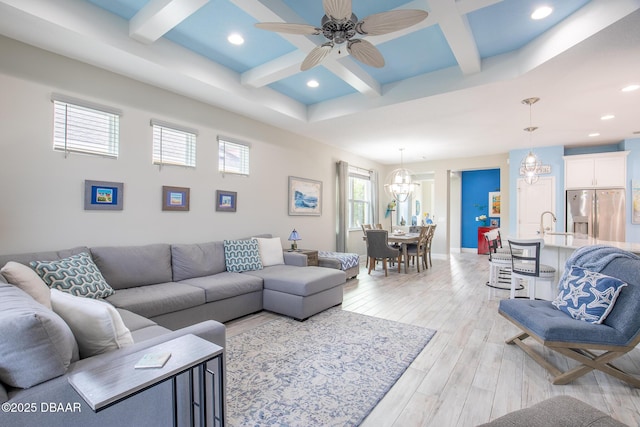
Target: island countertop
x,y
578,241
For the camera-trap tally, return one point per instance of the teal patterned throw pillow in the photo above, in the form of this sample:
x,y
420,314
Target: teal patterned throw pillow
x,y
77,275
242,255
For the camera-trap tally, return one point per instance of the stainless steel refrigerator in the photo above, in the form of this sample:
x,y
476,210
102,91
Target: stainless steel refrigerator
x,y
597,213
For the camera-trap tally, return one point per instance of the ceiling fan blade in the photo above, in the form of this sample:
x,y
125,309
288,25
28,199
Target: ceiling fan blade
x,y
365,52
388,22
316,56
338,9
282,27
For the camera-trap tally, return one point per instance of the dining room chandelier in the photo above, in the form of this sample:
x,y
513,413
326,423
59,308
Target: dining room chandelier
x,y
400,185
531,164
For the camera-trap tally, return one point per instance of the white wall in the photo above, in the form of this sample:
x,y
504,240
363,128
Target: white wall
x,y
42,192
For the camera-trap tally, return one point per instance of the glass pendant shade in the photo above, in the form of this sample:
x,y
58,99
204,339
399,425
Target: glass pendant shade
x,y
530,177
531,163
400,185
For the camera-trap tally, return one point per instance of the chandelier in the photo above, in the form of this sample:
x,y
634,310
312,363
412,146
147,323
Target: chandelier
x,y
531,164
400,185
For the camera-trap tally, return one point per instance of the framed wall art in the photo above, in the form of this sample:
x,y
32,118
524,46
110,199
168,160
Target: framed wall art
x,y
635,201
494,204
175,198
226,201
305,196
103,195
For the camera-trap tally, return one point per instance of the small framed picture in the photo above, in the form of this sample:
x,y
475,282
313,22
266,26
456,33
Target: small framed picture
x,y
175,198
103,195
226,201
495,222
494,204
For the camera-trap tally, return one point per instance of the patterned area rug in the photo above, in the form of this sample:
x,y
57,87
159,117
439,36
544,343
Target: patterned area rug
x,y
330,370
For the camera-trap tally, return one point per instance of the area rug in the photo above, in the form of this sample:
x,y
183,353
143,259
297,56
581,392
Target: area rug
x,y
330,370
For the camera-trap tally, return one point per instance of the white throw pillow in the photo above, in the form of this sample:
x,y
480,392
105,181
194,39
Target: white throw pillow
x,y
96,324
28,280
270,251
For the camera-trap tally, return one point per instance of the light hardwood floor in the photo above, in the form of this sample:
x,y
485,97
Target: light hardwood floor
x,y
466,375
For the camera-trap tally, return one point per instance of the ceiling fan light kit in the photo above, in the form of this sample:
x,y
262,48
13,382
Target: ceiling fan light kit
x,y
340,25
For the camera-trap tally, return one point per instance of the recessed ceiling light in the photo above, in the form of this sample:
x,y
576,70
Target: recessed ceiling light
x,y
313,83
594,134
607,117
236,39
541,12
630,88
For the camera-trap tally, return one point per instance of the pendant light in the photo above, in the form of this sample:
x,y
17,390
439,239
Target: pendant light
x,y
531,164
399,183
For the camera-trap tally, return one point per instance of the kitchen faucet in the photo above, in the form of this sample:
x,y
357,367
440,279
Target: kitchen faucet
x,y
542,220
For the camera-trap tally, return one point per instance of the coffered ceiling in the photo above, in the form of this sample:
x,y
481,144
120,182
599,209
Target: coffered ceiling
x,y
451,85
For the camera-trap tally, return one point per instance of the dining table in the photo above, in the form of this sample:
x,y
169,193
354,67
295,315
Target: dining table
x,y
404,239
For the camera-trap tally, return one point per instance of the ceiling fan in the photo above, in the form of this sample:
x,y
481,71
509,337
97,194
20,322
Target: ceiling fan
x,y
340,25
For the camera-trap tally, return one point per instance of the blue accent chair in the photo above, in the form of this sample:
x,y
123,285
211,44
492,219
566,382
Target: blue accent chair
x,y
593,346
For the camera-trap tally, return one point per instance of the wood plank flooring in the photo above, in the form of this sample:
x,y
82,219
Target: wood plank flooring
x,y
466,375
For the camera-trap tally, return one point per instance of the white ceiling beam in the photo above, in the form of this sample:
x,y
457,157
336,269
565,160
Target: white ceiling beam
x,y
457,32
272,71
468,6
158,17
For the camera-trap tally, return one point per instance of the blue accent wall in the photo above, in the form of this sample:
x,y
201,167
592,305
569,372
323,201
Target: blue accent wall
x,y
476,186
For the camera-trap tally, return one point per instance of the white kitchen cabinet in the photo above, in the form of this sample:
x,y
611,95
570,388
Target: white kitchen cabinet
x,y
602,170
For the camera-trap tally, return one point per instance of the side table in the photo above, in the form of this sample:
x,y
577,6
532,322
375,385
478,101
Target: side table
x,y
312,256
117,380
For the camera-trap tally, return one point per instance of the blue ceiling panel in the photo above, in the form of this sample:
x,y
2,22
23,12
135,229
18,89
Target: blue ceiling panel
x,y
312,12
206,33
507,25
296,86
123,8
417,53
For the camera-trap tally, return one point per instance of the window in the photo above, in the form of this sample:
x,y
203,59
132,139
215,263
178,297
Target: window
x,y
233,157
359,197
83,127
173,145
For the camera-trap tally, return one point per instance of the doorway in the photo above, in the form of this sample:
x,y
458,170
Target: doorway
x,y
533,199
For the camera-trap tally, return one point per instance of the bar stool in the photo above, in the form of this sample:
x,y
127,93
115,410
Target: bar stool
x,y
525,265
499,262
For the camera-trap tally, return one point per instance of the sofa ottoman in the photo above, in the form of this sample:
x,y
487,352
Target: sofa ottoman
x,y
562,411
300,292
347,262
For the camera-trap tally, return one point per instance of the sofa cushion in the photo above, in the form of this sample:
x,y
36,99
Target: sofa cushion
x,y
77,275
226,285
130,266
96,325
161,298
270,251
197,260
242,255
28,280
302,281
37,344
134,321
586,295
26,258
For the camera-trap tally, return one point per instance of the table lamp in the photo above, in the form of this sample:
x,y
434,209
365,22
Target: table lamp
x,y
294,237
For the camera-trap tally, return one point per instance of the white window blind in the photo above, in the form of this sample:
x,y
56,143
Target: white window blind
x,y
173,145
233,156
359,197
84,127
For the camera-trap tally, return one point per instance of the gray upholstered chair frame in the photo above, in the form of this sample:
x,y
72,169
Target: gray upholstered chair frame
x,y
378,248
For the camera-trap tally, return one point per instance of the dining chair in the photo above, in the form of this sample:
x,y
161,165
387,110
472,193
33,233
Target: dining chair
x,y
417,251
430,234
378,227
526,265
378,248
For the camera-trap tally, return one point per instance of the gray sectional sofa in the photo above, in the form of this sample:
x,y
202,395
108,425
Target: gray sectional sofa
x,y
162,291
